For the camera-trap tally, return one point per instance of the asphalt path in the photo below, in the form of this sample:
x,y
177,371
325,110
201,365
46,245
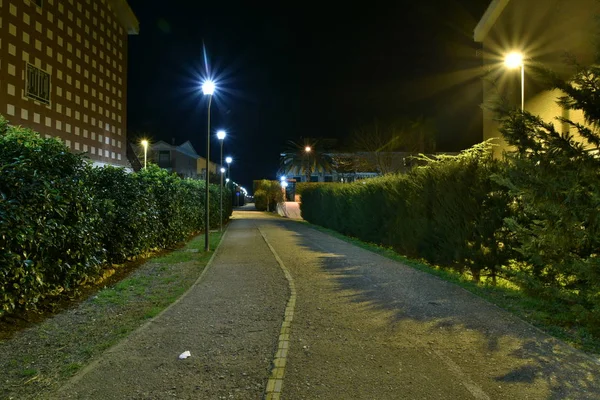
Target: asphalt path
x,y
360,326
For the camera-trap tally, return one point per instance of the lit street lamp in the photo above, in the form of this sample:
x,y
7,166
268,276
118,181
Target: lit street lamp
x,y
145,144
221,135
515,60
208,88
228,160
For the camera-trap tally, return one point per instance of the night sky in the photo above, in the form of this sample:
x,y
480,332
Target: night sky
x,y
301,70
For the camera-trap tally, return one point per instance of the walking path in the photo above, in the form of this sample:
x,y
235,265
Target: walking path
x,y
285,311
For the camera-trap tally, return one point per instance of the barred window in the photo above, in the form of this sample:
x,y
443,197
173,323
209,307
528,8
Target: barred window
x,y
37,85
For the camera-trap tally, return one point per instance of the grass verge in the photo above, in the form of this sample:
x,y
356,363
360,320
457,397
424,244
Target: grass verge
x,y
538,312
37,360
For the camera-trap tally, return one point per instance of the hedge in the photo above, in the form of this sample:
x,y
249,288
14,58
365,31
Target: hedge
x,y
62,221
449,212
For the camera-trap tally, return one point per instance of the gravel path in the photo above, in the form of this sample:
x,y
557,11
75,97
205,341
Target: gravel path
x,y
229,321
366,327
363,327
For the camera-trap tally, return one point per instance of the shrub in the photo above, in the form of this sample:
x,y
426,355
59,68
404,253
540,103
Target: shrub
x,y
50,222
62,221
260,200
270,194
449,212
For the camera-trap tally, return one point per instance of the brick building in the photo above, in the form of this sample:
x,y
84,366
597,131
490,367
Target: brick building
x,y
63,72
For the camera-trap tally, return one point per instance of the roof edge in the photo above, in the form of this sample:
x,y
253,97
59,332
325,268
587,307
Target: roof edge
x,y
489,18
125,16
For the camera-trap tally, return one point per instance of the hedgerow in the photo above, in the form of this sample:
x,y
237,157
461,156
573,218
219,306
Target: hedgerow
x,y
62,221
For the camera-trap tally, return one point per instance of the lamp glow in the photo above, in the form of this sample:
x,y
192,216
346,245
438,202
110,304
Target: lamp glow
x,y
222,170
228,160
208,87
221,135
513,60
145,145
283,178
307,149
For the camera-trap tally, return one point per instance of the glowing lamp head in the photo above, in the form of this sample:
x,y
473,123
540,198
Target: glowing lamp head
x,y
227,180
221,135
222,170
284,184
228,160
307,149
513,60
208,87
145,143
283,178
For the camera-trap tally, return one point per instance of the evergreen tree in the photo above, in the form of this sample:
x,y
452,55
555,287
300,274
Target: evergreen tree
x,y
554,177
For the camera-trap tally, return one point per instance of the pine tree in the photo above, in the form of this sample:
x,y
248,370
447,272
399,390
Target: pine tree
x,y
555,182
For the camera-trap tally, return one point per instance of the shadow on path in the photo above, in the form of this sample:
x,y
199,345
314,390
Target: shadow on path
x,y
446,312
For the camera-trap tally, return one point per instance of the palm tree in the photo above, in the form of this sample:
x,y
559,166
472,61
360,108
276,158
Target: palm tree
x,y
304,158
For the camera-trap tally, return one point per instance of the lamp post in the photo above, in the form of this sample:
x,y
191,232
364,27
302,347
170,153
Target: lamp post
x,y
145,145
515,60
228,160
221,136
308,172
208,88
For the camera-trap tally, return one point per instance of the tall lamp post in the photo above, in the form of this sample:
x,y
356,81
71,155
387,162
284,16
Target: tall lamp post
x,y
228,160
308,172
515,60
221,135
208,88
145,145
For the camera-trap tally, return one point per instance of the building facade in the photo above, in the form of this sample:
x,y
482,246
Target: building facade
x,y
63,72
201,167
180,159
543,31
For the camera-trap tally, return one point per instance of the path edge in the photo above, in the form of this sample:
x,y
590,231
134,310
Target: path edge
x,y
275,382
77,377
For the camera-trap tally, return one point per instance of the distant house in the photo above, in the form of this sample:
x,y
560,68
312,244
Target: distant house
x,y
180,159
542,31
201,167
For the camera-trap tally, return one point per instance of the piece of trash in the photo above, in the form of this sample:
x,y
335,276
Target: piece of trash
x,y
185,355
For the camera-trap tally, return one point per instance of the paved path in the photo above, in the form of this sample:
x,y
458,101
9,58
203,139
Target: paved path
x,y
361,327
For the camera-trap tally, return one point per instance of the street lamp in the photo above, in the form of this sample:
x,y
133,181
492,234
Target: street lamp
x,y
221,136
228,160
145,144
307,149
208,88
515,60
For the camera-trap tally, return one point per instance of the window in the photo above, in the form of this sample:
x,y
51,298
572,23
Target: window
x,y
38,3
37,85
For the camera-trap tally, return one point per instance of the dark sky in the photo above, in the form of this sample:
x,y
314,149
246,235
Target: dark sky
x,y
302,70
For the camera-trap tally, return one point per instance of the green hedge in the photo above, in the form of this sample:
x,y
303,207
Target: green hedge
x,y
267,194
449,212
63,221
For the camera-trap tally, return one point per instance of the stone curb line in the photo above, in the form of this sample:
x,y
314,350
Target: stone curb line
x,y
77,377
275,383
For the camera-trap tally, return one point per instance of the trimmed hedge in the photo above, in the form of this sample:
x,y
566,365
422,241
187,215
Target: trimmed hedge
x,y
63,221
267,194
449,212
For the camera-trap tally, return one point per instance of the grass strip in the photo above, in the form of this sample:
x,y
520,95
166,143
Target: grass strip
x,y
37,360
539,312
